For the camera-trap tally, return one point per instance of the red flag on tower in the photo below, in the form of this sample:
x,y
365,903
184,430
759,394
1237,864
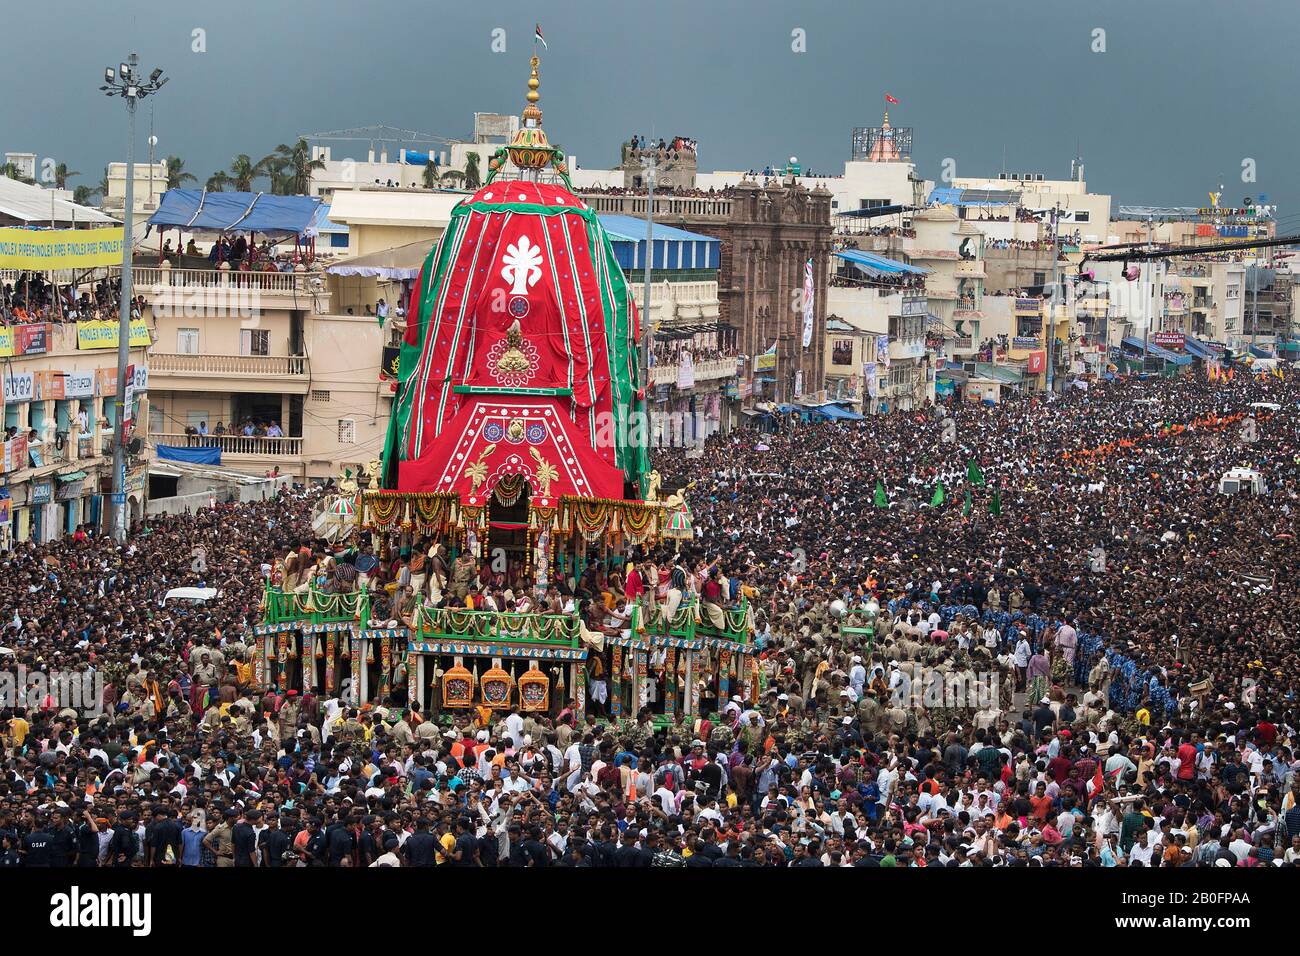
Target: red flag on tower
x,y
890,99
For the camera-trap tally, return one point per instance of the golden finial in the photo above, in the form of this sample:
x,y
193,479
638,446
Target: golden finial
x,y
533,81
532,114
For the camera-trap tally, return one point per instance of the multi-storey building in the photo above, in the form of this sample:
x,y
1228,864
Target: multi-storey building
x,y
60,383
767,235
236,352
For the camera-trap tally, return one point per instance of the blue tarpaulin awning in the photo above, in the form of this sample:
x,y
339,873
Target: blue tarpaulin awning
x,y
1199,349
952,196
1158,351
673,248
834,412
877,266
192,456
197,210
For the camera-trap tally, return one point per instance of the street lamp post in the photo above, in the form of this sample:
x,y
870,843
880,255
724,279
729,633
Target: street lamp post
x,y
128,83
1051,303
647,328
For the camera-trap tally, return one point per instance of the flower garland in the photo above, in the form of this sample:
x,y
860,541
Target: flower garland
x,y
383,509
431,511
509,489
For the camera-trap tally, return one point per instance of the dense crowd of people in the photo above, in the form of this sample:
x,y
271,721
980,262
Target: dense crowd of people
x,y
32,298
1081,657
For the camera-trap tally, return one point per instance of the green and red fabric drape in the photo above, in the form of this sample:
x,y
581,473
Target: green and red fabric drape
x,y
535,254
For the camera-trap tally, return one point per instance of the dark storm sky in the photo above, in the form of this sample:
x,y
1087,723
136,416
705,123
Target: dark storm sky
x,y
1185,90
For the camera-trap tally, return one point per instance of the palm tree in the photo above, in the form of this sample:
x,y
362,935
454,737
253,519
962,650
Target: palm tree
x,y
83,195
430,176
453,176
291,168
218,181
62,174
10,171
244,172
471,171
176,174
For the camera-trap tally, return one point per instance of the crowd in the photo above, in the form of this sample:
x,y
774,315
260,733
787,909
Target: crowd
x,y
670,352
32,298
1123,631
677,144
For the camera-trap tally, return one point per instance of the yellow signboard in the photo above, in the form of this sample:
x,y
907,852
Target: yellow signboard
x,y
103,335
765,362
46,249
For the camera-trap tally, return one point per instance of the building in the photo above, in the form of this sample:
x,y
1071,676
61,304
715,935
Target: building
x,y
1077,210
767,236
25,204
694,358
150,184
403,167
60,380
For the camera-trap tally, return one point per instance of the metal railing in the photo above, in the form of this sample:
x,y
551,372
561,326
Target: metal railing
x,y
561,630
314,606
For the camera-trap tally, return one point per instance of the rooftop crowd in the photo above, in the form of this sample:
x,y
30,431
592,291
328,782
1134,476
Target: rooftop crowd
x,y
32,298
1079,563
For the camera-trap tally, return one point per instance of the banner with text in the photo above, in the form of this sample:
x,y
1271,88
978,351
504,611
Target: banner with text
x,y
48,249
103,335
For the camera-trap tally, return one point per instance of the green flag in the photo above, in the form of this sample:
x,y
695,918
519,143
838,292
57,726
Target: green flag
x,y
882,501
938,495
995,506
965,508
973,473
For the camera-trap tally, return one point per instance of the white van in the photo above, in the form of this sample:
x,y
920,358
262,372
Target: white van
x,y
1237,480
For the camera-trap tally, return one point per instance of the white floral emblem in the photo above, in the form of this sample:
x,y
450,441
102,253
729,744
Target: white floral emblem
x,y
521,265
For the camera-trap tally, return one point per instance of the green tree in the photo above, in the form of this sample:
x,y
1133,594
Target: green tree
x,y
430,176
291,167
453,177
176,174
62,174
244,172
10,171
471,171
218,181
83,195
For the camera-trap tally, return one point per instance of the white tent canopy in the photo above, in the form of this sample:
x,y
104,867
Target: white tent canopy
x,y
398,263
37,206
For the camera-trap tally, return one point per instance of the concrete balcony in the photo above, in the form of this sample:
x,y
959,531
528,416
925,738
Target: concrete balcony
x,y
901,349
666,207
704,372
239,451
970,268
233,373
228,291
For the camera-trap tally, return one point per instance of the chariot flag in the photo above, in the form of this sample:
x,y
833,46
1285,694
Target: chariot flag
x,y
538,38
937,499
